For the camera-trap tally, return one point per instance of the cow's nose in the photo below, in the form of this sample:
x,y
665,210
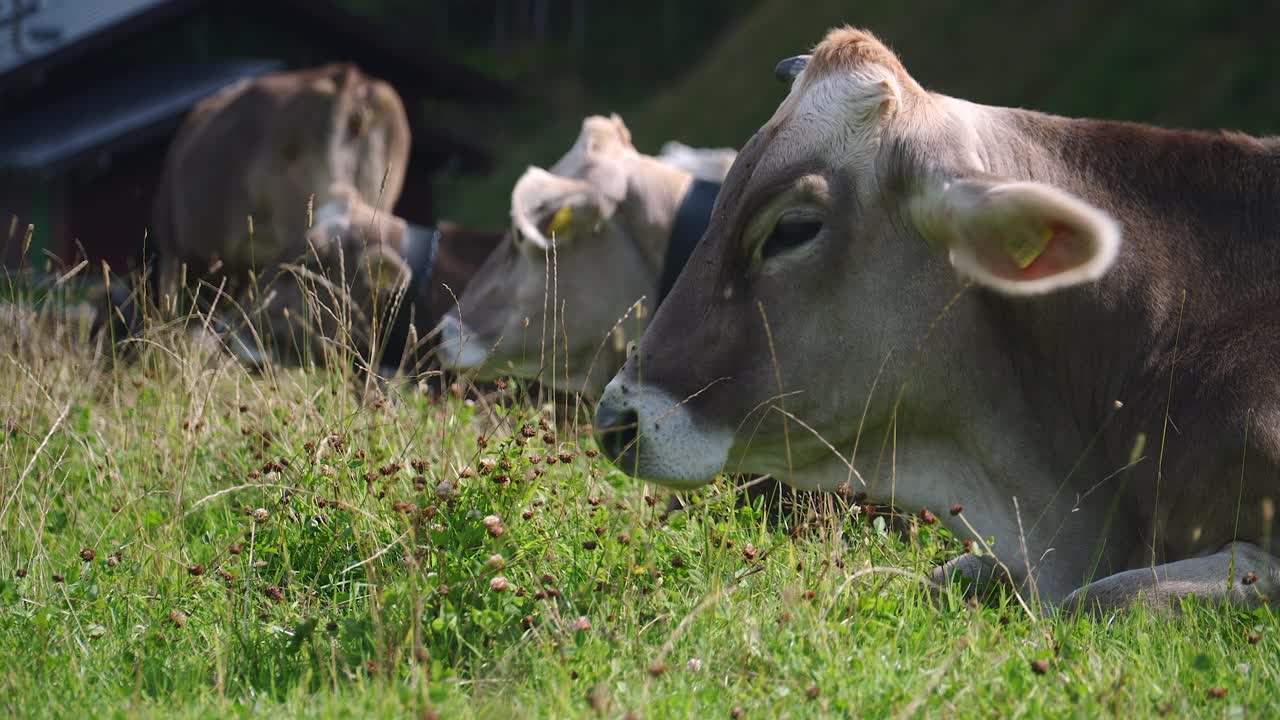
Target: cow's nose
x,y
616,429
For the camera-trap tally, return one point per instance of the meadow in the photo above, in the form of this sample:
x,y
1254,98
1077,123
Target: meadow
x,y
183,538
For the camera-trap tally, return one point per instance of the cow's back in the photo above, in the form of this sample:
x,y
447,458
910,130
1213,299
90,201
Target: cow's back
x,y
262,149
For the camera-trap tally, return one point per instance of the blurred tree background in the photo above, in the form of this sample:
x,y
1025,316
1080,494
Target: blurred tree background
x,y
700,71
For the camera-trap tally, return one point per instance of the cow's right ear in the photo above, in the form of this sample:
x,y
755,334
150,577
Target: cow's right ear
x,y
546,207
1018,238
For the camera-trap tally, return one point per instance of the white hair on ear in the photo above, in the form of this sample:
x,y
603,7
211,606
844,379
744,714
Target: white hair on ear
x,y
1018,238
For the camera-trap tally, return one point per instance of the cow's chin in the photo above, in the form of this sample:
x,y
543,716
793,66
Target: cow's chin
x,y
669,446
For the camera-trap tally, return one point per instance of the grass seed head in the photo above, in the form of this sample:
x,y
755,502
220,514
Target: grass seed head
x,y
493,524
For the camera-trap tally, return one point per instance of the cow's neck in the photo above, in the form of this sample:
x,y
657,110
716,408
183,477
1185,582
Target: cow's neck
x,y
655,191
1182,198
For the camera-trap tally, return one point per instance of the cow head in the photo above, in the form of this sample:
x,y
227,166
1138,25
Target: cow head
x,y
370,243
814,307
336,124
352,274
587,243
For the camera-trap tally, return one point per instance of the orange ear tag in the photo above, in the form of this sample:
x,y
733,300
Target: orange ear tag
x,y
1024,248
561,222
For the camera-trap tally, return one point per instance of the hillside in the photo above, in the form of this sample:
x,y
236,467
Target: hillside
x,y
1189,63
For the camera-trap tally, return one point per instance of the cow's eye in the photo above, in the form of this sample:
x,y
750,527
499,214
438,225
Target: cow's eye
x,y
793,229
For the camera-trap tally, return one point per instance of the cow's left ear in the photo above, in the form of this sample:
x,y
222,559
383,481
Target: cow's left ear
x,y
1018,238
546,206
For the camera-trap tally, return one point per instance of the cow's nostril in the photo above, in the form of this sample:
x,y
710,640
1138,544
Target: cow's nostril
x,y
616,431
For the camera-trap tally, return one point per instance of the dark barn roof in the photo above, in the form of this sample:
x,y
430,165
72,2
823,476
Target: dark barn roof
x,y
380,53
55,115
128,111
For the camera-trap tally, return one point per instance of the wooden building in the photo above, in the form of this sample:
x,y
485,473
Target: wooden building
x,y
92,92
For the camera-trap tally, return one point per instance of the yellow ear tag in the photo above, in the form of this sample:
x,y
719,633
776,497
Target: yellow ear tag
x,y
1023,249
561,222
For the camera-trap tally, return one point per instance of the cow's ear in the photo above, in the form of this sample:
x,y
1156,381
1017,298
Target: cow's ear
x,y
547,207
1018,238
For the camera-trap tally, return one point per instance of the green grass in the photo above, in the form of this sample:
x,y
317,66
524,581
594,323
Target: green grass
x,y
136,581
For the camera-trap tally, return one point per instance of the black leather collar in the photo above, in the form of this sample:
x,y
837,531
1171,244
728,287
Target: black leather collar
x,y
691,222
423,247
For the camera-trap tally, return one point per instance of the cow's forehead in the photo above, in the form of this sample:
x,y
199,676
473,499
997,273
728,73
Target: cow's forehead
x,y
833,118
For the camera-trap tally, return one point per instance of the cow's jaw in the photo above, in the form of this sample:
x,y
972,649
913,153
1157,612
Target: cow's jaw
x,y
654,436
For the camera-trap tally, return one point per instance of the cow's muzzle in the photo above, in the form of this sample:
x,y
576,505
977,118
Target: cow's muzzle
x,y
649,434
616,433
459,346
